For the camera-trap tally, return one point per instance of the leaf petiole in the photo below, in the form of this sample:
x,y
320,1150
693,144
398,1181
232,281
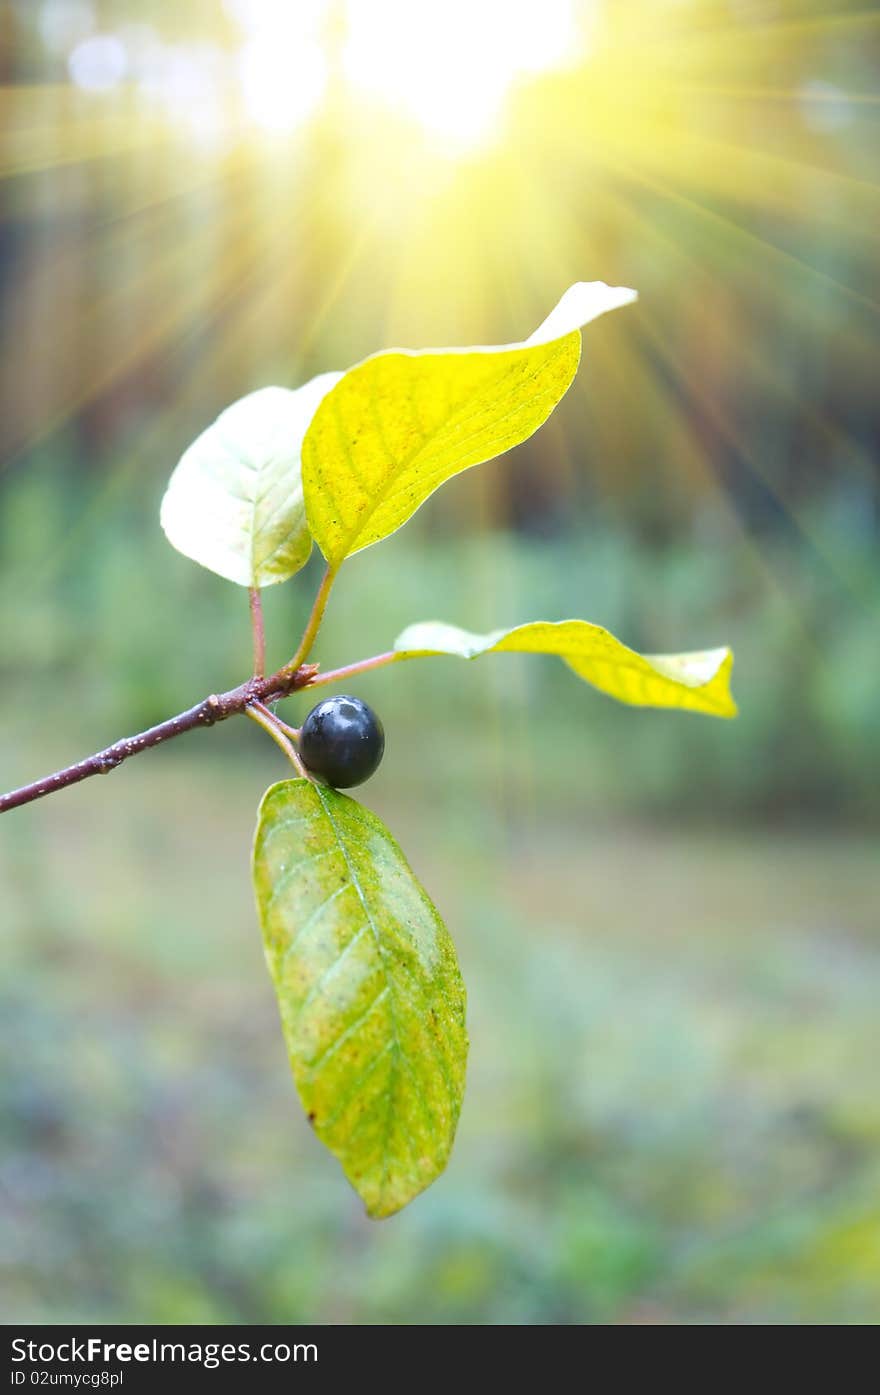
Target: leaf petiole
x,y
334,675
259,631
292,732
271,724
314,621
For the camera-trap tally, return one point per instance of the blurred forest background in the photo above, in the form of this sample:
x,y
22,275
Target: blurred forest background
x,y
669,926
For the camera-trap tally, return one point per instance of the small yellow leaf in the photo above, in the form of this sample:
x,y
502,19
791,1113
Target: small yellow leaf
x,y
398,425
697,682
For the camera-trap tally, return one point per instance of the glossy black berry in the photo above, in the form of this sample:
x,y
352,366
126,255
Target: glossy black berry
x,y
342,741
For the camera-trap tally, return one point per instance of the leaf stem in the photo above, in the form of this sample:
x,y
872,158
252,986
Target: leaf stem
x,y
335,675
266,719
292,732
212,709
259,631
314,621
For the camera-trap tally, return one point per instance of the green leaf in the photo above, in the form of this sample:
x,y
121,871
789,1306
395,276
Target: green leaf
x,y
372,1001
699,682
235,501
398,425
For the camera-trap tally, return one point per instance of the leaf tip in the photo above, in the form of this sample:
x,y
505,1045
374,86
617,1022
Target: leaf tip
x,y
729,708
582,303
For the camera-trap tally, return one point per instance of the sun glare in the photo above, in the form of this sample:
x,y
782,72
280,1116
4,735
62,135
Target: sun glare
x,y
451,66
282,68
446,69
282,82
429,164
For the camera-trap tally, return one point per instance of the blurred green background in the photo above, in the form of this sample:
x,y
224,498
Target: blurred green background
x,y
669,926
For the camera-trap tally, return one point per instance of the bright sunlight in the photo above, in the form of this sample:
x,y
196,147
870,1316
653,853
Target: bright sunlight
x,y
451,67
447,69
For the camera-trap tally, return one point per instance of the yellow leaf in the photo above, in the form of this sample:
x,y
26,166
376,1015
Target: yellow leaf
x,y
398,425
697,682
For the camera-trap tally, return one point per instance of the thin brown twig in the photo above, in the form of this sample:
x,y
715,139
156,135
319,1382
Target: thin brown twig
x,y
212,709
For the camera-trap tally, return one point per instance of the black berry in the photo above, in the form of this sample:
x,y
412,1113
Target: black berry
x,y
342,741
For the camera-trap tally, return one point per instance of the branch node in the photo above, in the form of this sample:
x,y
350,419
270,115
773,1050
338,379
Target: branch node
x,y
212,710
304,675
